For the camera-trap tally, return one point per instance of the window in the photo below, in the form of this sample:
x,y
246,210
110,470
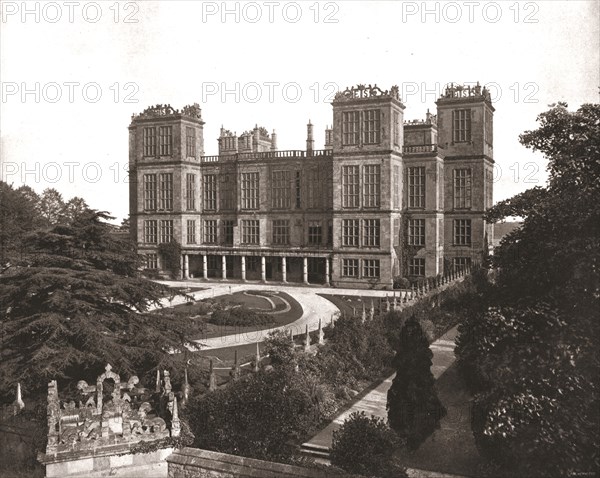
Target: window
x,y
350,123
165,191
329,233
150,141
396,187
227,196
459,263
249,190
461,131
210,231
166,231
281,231
371,232
165,140
151,261
350,232
314,183
462,188
350,267
228,226
250,231
371,185
190,142
416,267
372,124
416,187
370,268
462,232
190,192
210,192
315,233
298,190
416,232
150,192
350,186
150,231
191,231
281,189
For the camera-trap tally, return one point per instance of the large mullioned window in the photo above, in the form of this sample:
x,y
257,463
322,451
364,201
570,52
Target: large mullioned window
x,y
210,192
416,232
371,185
150,186
250,190
165,140
350,186
461,126
281,189
462,188
416,187
251,232
165,191
350,127
462,232
190,192
372,126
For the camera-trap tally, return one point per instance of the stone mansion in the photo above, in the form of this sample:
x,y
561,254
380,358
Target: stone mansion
x,y
383,198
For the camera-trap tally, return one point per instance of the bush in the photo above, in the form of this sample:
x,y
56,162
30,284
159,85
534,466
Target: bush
x,y
365,445
255,416
280,349
401,283
239,316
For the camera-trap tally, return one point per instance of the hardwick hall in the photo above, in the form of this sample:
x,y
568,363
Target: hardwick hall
x,y
384,198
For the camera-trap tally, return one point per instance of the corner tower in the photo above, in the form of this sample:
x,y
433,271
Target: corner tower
x,y
165,147
465,122
367,153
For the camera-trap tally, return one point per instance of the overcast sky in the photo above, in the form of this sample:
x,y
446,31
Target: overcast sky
x,y
73,73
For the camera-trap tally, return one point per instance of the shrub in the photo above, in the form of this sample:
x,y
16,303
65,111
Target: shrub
x,y
255,416
238,316
365,445
401,283
280,349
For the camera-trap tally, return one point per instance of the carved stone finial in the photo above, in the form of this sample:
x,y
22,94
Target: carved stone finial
x,y
321,334
175,423
257,358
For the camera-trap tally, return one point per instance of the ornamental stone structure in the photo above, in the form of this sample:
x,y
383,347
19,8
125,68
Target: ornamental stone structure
x,y
96,430
384,198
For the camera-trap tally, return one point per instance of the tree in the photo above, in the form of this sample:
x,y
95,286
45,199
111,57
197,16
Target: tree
x,y
74,208
365,445
77,304
52,207
18,217
533,356
414,409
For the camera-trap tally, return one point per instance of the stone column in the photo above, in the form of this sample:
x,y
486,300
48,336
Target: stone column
x,y
186,266
224,266
305,270
243,267
283,269
263,269
205,266
327,271
182,267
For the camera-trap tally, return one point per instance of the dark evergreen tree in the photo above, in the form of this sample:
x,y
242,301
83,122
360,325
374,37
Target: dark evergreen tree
x,y
77,302
414,409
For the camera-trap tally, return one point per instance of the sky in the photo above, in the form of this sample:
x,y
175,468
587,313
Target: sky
x,y
73,73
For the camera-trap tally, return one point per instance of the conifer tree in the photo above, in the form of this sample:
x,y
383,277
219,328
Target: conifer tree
x,y
414,409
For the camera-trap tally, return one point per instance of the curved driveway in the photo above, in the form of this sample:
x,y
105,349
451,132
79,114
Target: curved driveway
x,y
314,307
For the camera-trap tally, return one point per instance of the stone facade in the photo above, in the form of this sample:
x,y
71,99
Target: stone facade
x,y
384,198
